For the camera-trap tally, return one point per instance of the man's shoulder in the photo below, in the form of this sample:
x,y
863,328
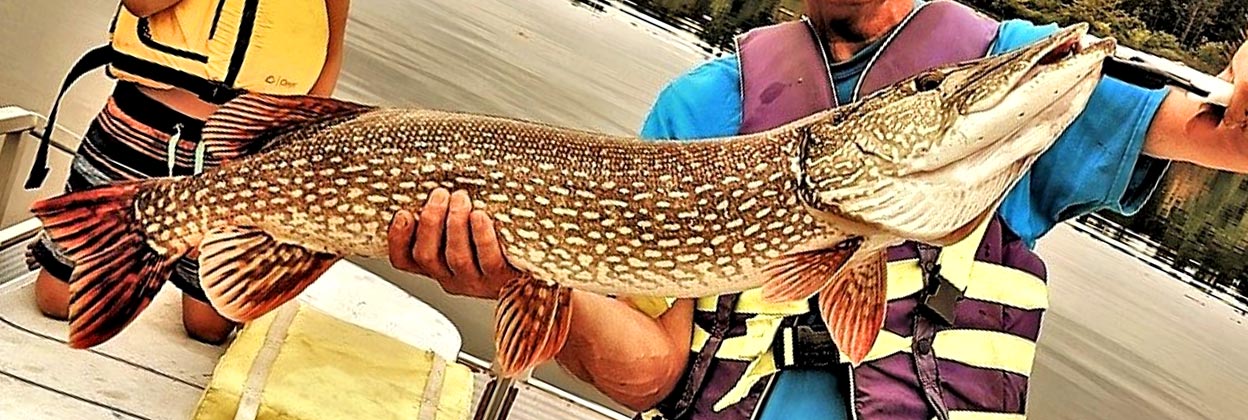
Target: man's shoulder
x,y
1016,33
709,79
704,101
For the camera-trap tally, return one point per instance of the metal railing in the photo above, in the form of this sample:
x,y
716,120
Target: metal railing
x,y
19,138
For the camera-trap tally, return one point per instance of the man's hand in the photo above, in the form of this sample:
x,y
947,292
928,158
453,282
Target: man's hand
x,y
1189,131
1235,117
452,244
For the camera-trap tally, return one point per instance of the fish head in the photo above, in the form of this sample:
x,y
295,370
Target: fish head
x,y
932,156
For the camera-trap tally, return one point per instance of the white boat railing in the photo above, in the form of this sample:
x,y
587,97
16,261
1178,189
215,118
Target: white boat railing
x,y
18,142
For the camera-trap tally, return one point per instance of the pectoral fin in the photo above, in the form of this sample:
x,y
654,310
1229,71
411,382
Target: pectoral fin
x,y
853,306
531,324
246,273
799,276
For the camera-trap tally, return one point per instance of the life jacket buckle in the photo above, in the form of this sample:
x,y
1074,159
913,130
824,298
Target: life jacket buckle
x,y
804,346
941,299
940,296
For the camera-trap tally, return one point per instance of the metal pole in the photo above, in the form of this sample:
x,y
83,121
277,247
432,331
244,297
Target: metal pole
x,y
498,397
496,402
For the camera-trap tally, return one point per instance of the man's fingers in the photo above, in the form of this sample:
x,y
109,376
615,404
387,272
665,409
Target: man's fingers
x,y
1236,115
428,249
490,256
459,255
1237,112
400,238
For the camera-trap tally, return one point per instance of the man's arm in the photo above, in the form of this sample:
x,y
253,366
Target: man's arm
x,y
1185,130
338,11
145,8
631,357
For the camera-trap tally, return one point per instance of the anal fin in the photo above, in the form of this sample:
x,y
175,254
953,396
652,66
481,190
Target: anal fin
x,y
531,324
246,273
800,275
853,305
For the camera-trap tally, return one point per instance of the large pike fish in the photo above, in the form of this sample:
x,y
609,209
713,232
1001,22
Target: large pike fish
x,y
806,208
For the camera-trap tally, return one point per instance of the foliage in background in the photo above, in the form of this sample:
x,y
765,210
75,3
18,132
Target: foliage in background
x,y
1201,33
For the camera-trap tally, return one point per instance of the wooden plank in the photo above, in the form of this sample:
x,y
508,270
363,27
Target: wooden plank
x,y
25,400
156,340
138,374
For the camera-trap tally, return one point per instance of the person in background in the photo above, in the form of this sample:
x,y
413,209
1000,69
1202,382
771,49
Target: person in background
x,y
177,61
947,351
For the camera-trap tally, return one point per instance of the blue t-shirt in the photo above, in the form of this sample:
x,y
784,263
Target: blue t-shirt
x,y
1096,164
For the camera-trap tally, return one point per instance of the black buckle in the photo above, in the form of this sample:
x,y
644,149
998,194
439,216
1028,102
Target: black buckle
x,y
941,300
940,296
804,347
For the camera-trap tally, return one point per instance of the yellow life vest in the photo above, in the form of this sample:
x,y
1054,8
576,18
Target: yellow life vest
x,y
276,47
215,49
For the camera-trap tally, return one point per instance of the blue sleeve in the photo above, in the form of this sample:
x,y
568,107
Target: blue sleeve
x,y
1096,164
703,102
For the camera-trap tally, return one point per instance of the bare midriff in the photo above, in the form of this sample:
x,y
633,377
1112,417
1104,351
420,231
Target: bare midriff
x,y
182,101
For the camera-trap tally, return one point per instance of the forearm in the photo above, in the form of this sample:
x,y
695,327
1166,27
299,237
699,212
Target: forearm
x,y
634,359
1173,136
145,8
328,80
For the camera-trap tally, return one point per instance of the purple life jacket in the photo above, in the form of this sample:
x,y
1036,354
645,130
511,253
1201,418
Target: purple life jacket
x,y
919,368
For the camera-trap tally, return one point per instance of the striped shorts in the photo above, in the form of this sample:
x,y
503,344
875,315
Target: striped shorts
x,y
131,138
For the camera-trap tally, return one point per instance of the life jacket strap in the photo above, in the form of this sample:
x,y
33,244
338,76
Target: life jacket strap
x,y
678,407
805,343
96,58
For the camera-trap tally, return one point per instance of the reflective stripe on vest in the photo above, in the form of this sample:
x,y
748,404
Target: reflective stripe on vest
x,y
978,280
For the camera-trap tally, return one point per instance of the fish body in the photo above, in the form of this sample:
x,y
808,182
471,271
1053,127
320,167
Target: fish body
x,y
805,208
586,211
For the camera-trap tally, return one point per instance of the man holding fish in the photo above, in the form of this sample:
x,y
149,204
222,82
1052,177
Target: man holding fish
x,y
740,355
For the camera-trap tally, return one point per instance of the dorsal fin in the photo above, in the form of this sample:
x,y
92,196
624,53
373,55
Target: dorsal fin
x,y
247,124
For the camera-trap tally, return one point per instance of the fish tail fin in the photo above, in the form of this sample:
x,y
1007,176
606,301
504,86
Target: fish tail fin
x,y
531,324
853,306
116,273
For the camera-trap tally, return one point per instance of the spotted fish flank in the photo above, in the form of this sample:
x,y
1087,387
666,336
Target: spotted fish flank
x,y
806,208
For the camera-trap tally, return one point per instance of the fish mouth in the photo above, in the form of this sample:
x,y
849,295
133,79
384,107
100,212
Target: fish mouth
x,y
1069,49
1074,48
973,176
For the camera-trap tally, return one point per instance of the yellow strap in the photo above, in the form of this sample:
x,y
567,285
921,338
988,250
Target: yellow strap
x,y
981,415
759,333
751,302
991,283
987,349
649,305
249,401
957,260
758,369
979,348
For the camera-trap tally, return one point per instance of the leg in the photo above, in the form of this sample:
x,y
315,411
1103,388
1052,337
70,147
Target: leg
x,y
203,323
52,295
52,282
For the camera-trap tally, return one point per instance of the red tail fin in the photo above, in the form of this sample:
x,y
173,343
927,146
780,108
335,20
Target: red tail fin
x,y
116,273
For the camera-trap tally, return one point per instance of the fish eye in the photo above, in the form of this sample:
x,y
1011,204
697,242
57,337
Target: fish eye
x,y
928,81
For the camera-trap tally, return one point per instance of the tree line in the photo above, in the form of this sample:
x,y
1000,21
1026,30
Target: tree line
x,y
1201,33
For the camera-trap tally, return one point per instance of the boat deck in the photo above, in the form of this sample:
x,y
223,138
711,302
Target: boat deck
x,y
153,371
